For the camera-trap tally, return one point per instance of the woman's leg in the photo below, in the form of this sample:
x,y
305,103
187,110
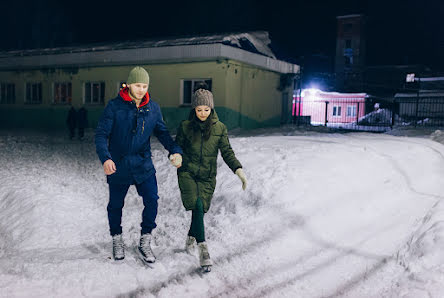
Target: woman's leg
x,y
197,229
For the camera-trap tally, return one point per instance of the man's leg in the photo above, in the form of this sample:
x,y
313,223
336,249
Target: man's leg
x,y
148,191
117,193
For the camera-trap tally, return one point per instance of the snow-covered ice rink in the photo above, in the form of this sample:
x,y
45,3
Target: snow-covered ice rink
x,y
324,215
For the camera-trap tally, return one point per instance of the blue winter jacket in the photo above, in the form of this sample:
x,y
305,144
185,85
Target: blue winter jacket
x,y
123,135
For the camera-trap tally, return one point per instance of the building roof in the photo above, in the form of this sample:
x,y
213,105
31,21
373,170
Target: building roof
x,y
255,42
248,47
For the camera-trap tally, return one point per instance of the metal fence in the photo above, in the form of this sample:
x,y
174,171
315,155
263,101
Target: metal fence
x,y
371,115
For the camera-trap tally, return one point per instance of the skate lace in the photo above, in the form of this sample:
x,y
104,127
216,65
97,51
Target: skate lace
x,y
118,244
205,254
145,245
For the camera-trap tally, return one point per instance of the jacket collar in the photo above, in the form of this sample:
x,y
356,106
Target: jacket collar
x,y
124,94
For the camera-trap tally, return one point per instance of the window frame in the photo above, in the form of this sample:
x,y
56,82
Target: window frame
x,y
6,87
193,84
354,110
68,95
101,96
40,93
337,111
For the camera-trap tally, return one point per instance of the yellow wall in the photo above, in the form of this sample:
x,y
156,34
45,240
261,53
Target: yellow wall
x,y
243,92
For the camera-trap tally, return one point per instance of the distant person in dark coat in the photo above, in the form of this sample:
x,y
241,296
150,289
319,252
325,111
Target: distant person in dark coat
x,y
82,121
71,122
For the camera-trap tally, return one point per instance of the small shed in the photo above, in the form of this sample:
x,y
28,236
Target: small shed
x,y
329,108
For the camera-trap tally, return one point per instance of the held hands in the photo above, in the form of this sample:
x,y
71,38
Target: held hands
x,y
109,167
240,173
176,160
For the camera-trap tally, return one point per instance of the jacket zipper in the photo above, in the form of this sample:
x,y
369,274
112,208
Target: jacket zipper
x,y
200,162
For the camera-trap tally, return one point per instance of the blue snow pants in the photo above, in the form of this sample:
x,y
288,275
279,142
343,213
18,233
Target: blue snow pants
x,y
117,192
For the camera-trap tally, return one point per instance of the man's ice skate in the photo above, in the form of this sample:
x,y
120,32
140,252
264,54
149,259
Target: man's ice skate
x,y
204,257
118,247
190,244
145,251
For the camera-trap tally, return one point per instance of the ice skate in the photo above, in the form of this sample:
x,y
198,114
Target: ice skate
x,y
145,251
118,247
204,257
190,244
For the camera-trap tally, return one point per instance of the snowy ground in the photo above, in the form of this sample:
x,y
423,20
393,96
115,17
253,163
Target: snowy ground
x,y
324,215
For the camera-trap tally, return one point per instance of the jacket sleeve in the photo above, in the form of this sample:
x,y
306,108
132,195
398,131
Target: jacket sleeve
x,y
162,133
227,152
103,131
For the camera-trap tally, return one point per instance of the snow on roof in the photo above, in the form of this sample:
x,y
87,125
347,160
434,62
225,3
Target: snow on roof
x,y
256,41
337,95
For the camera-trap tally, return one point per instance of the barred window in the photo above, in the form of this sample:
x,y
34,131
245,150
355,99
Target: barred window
x,y
94,93
62,93
7,93
33,93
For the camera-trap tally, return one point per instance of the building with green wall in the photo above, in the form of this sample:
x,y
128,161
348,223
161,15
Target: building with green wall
x,y
251,87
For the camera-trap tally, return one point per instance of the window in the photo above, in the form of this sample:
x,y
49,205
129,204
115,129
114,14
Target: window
x,y
33,93
351,111
348,27
62,93
348,60
348,43
191,85
336,110
7,93
94,93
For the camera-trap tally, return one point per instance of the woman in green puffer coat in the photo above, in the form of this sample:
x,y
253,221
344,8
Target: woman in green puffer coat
x,y
201,137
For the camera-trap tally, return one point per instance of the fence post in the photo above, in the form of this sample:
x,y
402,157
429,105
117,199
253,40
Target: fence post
x,y
357,114
326,113
393,113
417,102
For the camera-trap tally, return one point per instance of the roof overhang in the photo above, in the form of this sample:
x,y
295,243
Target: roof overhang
x,y
150,55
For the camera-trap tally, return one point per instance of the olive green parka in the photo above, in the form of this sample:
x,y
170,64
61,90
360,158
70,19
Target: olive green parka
x,y
197,176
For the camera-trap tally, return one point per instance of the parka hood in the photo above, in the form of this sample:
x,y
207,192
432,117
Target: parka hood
x,y
124,94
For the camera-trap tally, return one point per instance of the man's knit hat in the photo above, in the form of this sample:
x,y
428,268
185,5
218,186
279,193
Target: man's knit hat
x,y
202,97
138,75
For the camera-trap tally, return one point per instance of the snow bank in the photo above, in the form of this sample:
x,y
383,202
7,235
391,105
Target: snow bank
x,y
423,258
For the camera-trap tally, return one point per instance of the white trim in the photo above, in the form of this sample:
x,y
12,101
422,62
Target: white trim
x,y
434,79
337,109
354,111
84,92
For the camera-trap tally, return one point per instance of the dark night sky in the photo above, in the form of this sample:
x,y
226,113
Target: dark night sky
x,y
399,32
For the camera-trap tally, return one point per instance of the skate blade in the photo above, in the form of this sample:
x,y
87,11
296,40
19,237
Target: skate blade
x,y
206,269
142,260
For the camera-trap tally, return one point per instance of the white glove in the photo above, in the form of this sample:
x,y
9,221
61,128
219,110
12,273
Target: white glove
x,y
240,173
176,160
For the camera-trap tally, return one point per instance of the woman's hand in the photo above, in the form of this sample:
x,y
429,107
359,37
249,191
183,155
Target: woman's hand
x,y
240,173
176,160
109,167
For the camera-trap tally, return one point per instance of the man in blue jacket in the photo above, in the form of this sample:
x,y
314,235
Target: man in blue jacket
x,y
123,146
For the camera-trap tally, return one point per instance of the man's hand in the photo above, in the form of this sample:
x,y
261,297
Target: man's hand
x,y
176,160
240,173
109,167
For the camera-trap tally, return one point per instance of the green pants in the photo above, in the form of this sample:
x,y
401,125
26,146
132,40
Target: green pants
x,y
197,229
